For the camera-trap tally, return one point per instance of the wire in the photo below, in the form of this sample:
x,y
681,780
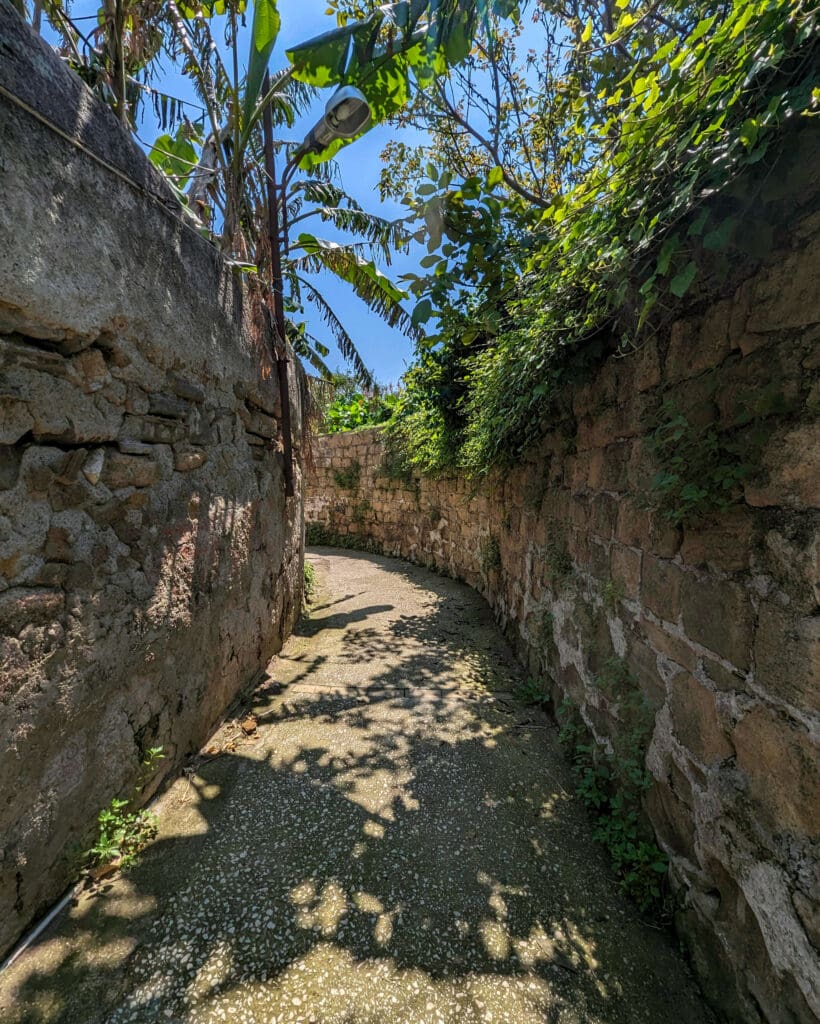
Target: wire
x,y
166,203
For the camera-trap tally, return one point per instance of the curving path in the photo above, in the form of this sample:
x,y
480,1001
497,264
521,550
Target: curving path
x,y
393,845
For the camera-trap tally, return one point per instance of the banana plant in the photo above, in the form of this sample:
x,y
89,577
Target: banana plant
x,y
386,54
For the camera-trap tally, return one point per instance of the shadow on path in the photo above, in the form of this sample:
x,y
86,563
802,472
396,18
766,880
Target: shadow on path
x,y
394,845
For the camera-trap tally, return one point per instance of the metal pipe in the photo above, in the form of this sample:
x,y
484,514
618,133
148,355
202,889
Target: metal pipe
x,y
278,291
27,940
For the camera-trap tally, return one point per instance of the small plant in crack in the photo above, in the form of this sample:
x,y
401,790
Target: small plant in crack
x,y
532,692
612,783
309,587
490,554
123,834
613,593
348,479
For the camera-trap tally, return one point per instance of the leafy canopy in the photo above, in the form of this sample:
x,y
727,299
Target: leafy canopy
x,y
663,111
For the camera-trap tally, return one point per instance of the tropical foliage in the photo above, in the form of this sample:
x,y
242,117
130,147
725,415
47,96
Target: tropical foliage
x,y
343,404
217,157
653,116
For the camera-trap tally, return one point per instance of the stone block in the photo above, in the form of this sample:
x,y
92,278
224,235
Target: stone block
x,y
643,664
625,569
698,345
169,406
782,766
29,606
59,544
10,458
603,515
91,368
787,655
185,387
640,369
723,679
152,429
672,821
129,471
577,472
786,295
718,615
791,470
696,721
661,585
633,526
608,467
725,544
666,643
185,461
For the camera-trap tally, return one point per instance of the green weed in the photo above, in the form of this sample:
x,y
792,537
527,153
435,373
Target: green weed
x,y
612,784
348,479
122,834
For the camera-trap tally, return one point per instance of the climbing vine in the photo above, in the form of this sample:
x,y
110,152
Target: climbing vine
x,y
653,217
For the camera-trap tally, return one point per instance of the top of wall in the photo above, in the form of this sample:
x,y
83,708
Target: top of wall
x,y
112,252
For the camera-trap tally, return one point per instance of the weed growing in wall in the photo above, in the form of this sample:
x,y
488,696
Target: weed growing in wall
x,y
361,512
701,470
309,583
559,563
532,692
348,479
489,555
319,535
123,834
612,783
612,594
395,463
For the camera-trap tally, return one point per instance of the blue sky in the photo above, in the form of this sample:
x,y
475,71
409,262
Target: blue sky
x,y
386,351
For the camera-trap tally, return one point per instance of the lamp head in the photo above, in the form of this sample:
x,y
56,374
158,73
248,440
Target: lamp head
x,y
346,114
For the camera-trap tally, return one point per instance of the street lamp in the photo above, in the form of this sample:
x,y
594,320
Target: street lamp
x,y
346,114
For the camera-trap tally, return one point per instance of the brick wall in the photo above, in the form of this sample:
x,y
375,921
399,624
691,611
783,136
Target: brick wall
x,y
149,562
718,622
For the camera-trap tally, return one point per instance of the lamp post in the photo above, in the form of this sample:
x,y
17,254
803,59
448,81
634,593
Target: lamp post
x,y
347,113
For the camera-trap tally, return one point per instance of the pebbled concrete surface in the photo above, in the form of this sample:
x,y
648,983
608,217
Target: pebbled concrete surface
x,y
395,842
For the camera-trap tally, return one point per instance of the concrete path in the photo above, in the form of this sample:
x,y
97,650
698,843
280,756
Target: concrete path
x,y
393,845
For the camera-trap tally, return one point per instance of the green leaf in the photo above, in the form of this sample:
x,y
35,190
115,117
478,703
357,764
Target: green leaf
x,y
495,176
264,30
679,285
322,61
586,35
422,312
668,250
718,239
749,132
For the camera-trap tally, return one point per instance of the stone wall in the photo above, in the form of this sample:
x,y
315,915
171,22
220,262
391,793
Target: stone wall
x,y
150,564
717,622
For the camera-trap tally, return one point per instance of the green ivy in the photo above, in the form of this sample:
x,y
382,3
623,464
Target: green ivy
x,y
348,479
701,469
309,586
528,300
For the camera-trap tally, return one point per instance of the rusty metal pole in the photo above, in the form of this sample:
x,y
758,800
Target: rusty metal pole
x,y
278,289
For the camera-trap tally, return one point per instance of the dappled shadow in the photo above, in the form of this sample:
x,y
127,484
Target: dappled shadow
x,y
395,853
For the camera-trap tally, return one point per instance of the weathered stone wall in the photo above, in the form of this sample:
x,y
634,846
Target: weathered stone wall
x,y
149,561
718,623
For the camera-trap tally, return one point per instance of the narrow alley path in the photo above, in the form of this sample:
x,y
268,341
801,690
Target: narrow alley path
x,y
392,845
